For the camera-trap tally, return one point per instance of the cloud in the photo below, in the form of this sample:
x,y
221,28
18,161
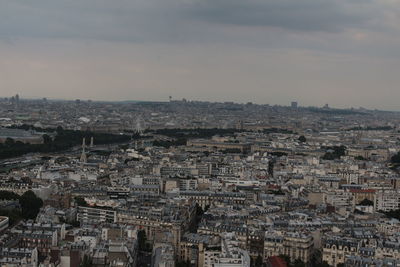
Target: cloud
x,y
173,20
268,51
119,20
299,15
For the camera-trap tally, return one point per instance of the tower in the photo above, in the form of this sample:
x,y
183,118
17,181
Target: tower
x,y
16,101
83,158
39,174
240,125
138,127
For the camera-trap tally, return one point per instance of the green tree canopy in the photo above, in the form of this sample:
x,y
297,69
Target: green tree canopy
x,y
366,202
334,152
7,195
298,263
259,261
80,201
9,142
396,158
302,139
46,139
142,240
30,205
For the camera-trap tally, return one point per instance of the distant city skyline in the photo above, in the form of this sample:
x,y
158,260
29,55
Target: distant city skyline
x,y
287,104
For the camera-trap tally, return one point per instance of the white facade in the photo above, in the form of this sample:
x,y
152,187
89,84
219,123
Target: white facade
x,y
229,256
386,200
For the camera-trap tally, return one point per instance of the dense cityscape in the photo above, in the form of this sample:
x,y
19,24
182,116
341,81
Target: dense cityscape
x,y
199,133
197,184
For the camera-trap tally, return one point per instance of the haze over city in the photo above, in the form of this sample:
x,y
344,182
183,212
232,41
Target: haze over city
x,y
199,133
342,52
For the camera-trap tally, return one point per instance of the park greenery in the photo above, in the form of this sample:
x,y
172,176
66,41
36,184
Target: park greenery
x,y
302,139
296,263
332,111
182,264
278,154
195,133
179,137
271,165
395,159
393,214
29,203
80,201
366,202
277,130
359,158
334,152
86,261
56,140
59,139
369,128
143,245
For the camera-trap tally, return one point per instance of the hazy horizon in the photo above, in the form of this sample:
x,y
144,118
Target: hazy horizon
x,y
343,53
288,104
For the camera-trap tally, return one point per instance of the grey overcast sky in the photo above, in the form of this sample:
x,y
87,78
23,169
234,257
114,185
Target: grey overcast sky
x,y
342,52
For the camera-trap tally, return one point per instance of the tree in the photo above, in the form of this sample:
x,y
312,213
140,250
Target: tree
x,y
278,192
298,263
86,262
7,195
259,261
316,259
59,129
30,205
182,264
302,139
366,202
278,154
46,139
14,215
396,158
285,258
334,152
195,223
199,210
64,140
80,201
124,146
142,240
271,167
393,214
359,158
9,142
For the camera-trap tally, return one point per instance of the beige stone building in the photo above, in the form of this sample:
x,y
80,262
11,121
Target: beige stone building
x,y
294,245
336,250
